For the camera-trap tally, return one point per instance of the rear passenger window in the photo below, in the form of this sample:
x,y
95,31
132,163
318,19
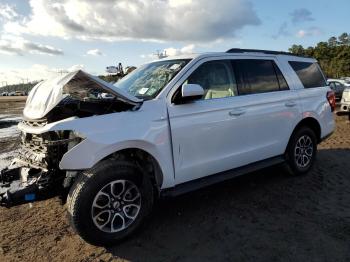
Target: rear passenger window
x,y
259,76
309,74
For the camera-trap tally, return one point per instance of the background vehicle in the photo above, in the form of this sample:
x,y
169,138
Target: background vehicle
x,y
4,94
345,101
338,86
12,94
173,126
20,93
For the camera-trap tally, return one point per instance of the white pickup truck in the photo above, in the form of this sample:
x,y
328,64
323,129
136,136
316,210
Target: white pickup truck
x,y
171,126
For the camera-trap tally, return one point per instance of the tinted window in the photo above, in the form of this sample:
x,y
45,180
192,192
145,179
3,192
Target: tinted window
x,y
216,78
281,80
309,74
259,76
332,85
339,85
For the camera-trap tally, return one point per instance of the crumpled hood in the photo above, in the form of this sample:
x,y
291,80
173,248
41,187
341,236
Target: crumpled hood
x,y
49,93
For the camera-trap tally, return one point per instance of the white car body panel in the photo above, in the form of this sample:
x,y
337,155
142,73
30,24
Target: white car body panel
x,y
110,133
197,139
208,140
313,101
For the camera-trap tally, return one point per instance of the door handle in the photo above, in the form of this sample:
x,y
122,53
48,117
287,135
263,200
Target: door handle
x,y
290,104
236,112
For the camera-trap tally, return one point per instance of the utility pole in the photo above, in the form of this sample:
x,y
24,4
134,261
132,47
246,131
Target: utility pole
x,y
61,72
161,54
4,86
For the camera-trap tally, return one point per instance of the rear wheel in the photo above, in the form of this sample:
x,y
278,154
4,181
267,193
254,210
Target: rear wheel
x,y
109,202
301,151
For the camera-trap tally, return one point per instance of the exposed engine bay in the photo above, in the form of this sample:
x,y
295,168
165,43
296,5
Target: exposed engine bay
x,y
35,174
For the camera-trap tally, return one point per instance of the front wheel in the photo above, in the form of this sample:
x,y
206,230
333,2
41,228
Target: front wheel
x,y
301,151
109,202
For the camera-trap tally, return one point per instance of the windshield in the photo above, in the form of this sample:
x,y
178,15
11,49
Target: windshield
x,y
147,81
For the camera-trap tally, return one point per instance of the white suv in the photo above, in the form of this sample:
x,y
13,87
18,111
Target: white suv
x,y
172,126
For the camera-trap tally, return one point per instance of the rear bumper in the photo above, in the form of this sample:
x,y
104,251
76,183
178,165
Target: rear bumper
x,y
345,107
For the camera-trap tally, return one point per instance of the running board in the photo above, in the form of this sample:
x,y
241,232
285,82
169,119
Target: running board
x,y
220,177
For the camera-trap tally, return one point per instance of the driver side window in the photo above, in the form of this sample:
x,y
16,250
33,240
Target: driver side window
x,y
216,78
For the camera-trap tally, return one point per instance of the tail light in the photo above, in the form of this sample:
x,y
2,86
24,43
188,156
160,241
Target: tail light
x,y
331,99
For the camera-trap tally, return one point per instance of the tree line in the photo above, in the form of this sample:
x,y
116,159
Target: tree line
x,y
18,87
333,55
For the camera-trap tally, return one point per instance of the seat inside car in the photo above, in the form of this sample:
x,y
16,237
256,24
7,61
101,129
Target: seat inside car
x,y
221,85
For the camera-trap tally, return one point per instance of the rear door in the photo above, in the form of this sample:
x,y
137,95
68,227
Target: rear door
x,y
272,109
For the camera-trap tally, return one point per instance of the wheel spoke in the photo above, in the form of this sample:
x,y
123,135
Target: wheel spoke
x,y
305,160
308,142
128,194
127,208
113,186
95,219
99,195
113,229
309,152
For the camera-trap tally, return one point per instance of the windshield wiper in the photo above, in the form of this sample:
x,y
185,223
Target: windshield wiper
x,y
145,97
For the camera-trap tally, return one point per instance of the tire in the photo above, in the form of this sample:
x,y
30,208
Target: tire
x,y
300,159
88,198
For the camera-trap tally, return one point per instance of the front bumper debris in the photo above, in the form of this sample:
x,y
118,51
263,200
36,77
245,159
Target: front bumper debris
x,y
22,185
13,190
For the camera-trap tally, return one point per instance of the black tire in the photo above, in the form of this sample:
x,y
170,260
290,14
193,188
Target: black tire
x,y
294,164
90,183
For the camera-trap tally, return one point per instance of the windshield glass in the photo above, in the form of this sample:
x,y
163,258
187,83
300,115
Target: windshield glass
x,y
147,81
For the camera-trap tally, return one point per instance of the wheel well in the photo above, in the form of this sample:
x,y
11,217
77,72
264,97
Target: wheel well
x,y
144,160
311,123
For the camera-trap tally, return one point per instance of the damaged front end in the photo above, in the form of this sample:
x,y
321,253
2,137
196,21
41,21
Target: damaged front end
x,y
34,173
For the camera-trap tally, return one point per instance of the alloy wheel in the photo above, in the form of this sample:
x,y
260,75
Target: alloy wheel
x,y
116,206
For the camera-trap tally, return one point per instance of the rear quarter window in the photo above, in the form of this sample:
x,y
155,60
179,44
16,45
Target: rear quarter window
x,y
309,74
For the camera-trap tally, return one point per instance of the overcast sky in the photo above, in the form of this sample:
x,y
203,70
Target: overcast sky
x,y
41,37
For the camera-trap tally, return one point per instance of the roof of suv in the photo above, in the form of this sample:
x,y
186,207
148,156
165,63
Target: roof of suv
x,y
243,52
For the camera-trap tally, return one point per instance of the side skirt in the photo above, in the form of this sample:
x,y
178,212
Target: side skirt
x,y
219,177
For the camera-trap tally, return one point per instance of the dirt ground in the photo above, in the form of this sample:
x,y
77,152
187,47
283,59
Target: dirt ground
x,y
263,216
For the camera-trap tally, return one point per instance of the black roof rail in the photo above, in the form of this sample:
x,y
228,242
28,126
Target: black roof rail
x,y
269,52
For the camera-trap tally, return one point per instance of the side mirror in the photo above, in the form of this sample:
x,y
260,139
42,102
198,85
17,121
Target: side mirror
x,y
192,91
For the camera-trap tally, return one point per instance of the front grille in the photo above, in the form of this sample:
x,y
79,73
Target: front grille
x,y
36,150
35,123
46,150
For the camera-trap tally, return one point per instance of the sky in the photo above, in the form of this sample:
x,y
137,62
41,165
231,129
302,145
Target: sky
x,y
41,38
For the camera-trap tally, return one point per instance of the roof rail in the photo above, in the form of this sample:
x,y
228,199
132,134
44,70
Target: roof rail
x,y
269,52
